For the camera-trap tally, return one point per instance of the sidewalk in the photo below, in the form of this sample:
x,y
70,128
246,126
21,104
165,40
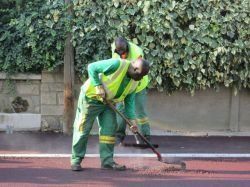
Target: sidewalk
x,y
56,143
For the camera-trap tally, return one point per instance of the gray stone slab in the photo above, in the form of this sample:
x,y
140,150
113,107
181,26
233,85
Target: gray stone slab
x,y
56,87
29,89
48,98
20,121
59,77
52,110
234,112
244,111
34,103
45,87
60,98
51,123
1,85
21,76
52,77
206,111
48,77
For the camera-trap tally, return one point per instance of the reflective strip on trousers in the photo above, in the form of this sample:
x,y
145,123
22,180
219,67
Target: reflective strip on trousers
x,y
107,139
142,121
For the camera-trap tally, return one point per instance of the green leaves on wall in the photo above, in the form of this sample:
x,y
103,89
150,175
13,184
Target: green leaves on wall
x,y
192,44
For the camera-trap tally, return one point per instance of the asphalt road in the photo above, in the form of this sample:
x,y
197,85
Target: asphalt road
x,y
142,171
58,143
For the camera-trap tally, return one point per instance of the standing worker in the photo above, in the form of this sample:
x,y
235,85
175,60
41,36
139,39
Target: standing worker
x,y
123,49
114,80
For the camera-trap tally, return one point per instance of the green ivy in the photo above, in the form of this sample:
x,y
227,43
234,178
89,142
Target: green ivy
x,y
192,44
33,39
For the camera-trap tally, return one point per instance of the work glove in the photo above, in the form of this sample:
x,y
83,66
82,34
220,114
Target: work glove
x,y
100,91
134,127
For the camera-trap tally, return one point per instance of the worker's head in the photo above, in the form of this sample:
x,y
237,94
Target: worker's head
x,y
121,47
138,68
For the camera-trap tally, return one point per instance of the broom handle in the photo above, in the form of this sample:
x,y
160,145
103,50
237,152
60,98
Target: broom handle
x,y
136,133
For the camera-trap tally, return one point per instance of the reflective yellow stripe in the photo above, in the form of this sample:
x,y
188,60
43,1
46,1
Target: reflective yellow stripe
x,y
142,84
90,91
81,124
107,139
110,79
109,94
129,89
134,85
142,121
111,83
107,142
117,73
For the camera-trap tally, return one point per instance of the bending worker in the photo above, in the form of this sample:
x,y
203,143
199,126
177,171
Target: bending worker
x,y
116,81
123,49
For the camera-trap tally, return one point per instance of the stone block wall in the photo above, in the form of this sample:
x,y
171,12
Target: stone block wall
x,y
52,100
206,113
27,87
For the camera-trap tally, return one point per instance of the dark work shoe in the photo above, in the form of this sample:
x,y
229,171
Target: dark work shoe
x,y
76,167
114,166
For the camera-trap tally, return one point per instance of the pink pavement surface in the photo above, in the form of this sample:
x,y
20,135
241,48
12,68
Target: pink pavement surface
x,y
141,172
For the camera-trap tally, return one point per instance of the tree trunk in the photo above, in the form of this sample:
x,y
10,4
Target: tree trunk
x,y
68,82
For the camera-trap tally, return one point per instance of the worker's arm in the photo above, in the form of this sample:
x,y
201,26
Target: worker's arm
x,y
106,67
129,103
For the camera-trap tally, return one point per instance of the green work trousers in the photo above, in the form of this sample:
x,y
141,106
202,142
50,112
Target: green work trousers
x,y
141,116
87,111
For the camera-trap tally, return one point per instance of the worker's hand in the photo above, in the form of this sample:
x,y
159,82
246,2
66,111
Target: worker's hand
x,y
100,91
134,127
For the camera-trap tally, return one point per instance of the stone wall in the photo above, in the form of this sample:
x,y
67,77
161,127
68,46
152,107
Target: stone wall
x,y
25,86
44,93
28,88
52,100
206,113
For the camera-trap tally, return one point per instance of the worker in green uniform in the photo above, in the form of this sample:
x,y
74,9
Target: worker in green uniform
x,y
115,80
123,49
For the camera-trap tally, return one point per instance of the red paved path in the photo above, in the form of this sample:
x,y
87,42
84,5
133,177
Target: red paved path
x,y
141,172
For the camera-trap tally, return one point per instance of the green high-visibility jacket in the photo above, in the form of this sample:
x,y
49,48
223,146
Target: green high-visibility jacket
x,y
112,75
135,52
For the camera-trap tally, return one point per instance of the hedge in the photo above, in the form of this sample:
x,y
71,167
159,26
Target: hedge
x,y
33,37
192,44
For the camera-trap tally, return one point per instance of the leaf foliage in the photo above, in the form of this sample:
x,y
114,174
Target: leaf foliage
x,y
192,44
